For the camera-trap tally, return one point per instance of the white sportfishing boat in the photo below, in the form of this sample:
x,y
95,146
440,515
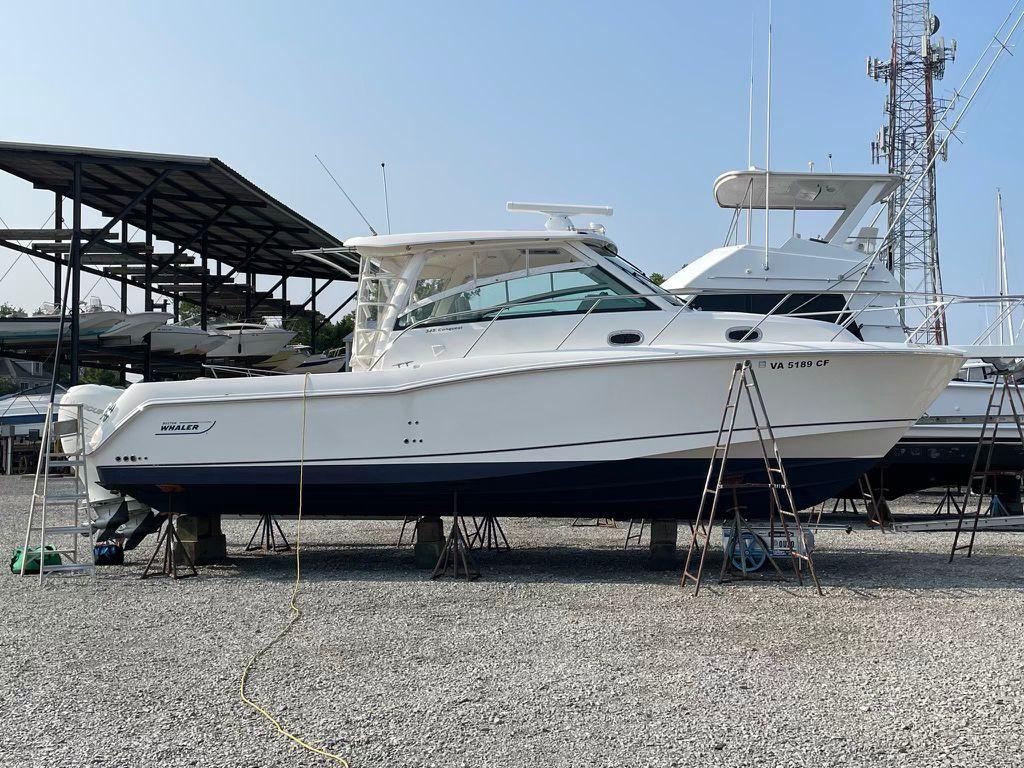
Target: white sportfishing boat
x,y
249,341
527,373
185,340
834,278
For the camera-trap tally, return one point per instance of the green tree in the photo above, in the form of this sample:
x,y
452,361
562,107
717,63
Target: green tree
x,y
657,278
9,310
99,376
331,336
7,386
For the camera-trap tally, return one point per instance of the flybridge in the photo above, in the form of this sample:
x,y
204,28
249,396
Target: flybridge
x,y
850,193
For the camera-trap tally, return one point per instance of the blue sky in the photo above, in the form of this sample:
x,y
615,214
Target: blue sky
x,y
635,105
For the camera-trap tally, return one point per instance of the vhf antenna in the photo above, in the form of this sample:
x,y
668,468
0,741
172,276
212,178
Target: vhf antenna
x,y
387,208
350,200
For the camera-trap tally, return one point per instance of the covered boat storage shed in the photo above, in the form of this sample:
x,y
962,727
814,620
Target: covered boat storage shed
x,y
222,231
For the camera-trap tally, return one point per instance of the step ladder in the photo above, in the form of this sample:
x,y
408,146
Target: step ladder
x,y
59,509
874,505
1005,390
744,381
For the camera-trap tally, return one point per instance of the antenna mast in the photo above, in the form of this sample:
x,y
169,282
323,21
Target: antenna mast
x,y
917,60
768,144
1004,282
387,208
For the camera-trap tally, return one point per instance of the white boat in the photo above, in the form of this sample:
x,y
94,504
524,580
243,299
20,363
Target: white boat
x,y
823,277
25,412
250,341
185,340
40,330
525,373
296,358
132,330
95,399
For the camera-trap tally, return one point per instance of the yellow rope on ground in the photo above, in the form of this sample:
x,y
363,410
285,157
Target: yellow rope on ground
x,y
295,613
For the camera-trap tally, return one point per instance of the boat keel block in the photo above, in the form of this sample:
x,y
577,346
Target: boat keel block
x,y
201,538
429,541
663,544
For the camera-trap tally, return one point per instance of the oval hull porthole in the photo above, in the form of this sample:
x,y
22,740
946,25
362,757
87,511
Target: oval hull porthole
x,y
743,333
625,338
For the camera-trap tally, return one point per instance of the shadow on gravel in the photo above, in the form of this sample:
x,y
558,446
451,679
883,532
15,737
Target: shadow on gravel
x,y
855,571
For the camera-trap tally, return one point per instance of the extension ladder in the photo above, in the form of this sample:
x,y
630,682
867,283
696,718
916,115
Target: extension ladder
x,y
744,381
60,502
1006,386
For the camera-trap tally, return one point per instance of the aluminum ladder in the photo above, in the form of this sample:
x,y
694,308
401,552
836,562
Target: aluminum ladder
x,y
61,496
744,381
1009,391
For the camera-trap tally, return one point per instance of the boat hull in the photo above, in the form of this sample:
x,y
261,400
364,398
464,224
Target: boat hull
x,y
664,488
620,434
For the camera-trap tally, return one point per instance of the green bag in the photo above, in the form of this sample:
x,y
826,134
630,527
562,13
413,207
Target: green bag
x,y
32,559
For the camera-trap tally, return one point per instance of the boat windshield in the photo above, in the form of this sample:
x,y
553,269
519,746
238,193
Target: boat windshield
x,y
565,291
637,274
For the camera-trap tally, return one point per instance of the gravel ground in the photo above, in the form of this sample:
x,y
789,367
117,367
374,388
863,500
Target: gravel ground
x,y
568,652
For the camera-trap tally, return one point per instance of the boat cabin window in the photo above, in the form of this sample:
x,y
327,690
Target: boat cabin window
x,y
805,304
566,291
977,373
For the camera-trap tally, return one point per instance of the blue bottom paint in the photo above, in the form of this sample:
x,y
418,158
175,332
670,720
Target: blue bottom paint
x,y
666,488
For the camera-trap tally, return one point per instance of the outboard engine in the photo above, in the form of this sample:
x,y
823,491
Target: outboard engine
x,y
116,515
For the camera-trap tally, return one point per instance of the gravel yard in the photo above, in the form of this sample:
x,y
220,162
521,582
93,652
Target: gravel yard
x,y
567,652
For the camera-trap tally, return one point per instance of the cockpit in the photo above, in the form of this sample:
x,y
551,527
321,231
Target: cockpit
x,y
492,277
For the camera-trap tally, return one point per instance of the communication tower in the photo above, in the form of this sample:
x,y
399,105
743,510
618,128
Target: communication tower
x,y
908,143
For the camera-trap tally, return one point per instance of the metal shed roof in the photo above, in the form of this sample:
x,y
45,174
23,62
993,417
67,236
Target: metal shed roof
x,y
244,226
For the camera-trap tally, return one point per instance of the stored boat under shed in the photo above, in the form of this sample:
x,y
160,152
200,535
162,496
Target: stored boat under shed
x,y
220,232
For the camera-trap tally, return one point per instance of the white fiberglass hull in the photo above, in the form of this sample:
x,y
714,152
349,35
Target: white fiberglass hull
x,y
250,343
623,432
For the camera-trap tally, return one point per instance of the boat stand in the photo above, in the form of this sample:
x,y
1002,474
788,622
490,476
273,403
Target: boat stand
x,y
268,529
743,381
1004,389
594,522
948,504
454,559
488,534
409,520
166,542
635,532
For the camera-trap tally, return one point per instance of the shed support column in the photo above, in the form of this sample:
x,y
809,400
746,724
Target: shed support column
x,y
74,264
284,300
663,543
58,223
250,283
312,317
149,253
124,282
203,318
